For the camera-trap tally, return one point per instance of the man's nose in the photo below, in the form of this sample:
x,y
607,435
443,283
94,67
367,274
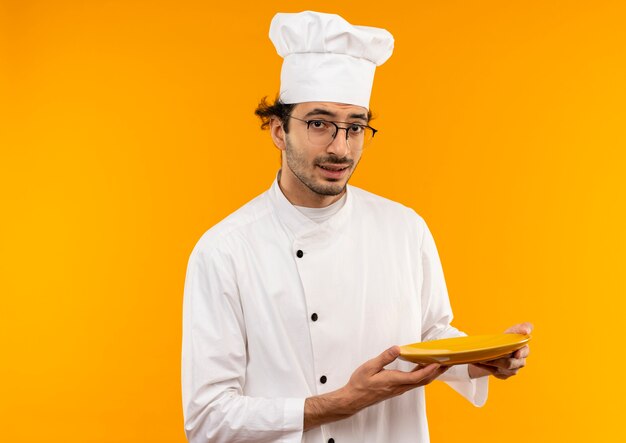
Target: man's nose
x,y
339,146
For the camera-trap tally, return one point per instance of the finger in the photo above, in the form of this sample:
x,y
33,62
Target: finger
x,y
521,328
497,363
412,384
441,368
420,366
427,374
435,375
522,352
491,369
423,365
506,363
415,376
515,364
502,374
376,364
423,382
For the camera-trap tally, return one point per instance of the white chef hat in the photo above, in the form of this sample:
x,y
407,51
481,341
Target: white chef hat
x,y
326,58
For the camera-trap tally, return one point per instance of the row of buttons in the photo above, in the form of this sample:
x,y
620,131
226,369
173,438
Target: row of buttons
x,y
323,377
314,317
300,254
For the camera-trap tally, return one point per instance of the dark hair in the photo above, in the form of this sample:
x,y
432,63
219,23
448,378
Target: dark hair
x,y
265,111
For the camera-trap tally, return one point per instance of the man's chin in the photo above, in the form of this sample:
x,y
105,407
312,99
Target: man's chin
x,y
329,189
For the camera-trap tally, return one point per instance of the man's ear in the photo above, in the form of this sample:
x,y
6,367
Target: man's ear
x,y
278,133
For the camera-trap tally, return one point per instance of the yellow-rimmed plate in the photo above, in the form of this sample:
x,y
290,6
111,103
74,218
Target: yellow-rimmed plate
x,y
460,350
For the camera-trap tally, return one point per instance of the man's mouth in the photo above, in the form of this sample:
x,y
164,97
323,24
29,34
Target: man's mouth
x,y
334,168
334,172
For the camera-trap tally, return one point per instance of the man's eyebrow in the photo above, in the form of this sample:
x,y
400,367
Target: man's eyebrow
x,y
358,116
320,111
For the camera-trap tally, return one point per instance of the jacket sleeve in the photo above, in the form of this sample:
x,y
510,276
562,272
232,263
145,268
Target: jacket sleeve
x,y
436,319
214,360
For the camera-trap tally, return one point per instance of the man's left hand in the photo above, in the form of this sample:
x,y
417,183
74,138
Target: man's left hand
x,y
504,367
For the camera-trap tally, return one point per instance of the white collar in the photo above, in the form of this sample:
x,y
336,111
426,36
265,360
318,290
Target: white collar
x,y
320,215
301,225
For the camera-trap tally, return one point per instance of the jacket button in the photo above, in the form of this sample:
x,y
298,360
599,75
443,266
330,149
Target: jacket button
x,y
314,317
331,440
323,379
299,253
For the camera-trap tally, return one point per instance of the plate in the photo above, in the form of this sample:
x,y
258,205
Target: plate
x,y
460,350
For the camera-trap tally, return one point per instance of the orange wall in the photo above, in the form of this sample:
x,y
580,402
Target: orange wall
x,y
126,131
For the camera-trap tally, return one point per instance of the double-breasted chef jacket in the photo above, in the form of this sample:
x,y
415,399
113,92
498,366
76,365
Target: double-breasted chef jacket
x,y
278,308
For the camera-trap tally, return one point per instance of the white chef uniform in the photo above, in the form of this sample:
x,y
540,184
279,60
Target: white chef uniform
x,y
278,308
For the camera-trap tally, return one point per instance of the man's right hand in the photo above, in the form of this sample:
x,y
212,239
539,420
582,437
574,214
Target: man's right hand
x,y
369,384
372,383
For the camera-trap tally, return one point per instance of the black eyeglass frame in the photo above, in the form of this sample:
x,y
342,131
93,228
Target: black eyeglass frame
x,y
337,127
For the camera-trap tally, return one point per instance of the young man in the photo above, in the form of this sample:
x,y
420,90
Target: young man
x,y
289,300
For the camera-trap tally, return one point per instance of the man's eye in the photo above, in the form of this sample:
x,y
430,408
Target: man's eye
x,y
356,129
318,124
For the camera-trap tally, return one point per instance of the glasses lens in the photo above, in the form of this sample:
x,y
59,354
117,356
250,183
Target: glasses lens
x,y
359,136
321,132
363,135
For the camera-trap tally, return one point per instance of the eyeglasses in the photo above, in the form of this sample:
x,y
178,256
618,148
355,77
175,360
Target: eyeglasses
x,y
323,132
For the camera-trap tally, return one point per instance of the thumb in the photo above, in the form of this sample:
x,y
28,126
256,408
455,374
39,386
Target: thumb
x,y
522,328
379,362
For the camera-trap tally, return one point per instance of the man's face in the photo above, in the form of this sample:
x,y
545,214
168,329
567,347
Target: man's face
x,y
318,169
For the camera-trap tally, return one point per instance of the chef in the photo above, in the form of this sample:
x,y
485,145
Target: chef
x,y
294,305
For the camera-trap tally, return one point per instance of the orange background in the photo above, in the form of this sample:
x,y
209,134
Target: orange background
x,y
127,130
